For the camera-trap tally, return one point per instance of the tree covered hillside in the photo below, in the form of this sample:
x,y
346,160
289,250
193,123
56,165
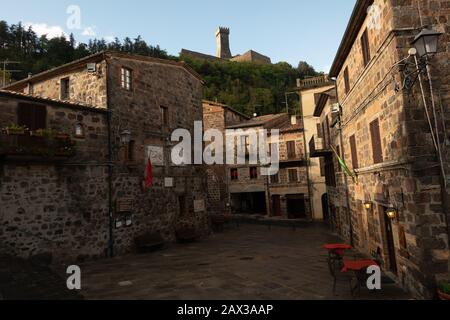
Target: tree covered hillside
x,y
250,88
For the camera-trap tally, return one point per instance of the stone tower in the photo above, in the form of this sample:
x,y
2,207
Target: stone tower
x,y
223,43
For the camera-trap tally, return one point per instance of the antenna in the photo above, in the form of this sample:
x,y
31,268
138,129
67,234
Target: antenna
x,y
5,63
420,13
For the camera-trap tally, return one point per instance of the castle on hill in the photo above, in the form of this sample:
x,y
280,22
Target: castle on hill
x,y
223,51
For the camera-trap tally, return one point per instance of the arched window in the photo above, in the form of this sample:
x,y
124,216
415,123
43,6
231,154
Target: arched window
x,y
79,130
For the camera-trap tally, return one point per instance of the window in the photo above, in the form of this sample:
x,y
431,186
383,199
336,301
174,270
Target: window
x,y
234,174
319,131
79,130
365,48
376,142
346,81
130,151
65,89
126,78
291,149
293,175
275,178
32,116
164,116
354,152
322,167
182,205
330,177
253,173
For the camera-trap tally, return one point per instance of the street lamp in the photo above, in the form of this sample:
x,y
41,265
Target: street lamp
x,y
391,213
125,137
426,42
368,205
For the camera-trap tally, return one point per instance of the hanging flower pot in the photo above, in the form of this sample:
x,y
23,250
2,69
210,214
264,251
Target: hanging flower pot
x,y
444,291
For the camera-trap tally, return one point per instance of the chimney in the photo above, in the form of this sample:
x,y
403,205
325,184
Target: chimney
x,y
223,43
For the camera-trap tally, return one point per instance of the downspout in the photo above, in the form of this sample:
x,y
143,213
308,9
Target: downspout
x,y
307,158
110,168
347,193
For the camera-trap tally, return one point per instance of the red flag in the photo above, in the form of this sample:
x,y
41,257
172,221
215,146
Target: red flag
x,y
148,175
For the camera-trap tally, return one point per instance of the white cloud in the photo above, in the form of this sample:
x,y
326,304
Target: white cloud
x,y
45,29
110,38
89,32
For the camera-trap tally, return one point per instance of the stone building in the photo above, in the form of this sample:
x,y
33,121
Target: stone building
x,y
309,92
146,100
395,206
53,192
223,51
219,116
284,194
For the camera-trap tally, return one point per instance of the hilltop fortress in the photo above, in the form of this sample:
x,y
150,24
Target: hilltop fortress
x,y
223,51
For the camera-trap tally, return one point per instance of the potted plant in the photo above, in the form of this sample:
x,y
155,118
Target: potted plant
x,y
44,133
16,130
444,291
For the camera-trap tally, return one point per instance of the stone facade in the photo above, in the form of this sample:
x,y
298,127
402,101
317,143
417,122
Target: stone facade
x,y
386,140
285,194
309,89
49,205
223,52
148,99
218,116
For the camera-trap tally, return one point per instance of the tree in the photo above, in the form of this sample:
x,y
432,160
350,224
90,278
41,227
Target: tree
x,y
305,70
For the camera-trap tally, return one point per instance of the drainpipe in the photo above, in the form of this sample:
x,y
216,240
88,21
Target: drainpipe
x,y
347,193
110,169
308,163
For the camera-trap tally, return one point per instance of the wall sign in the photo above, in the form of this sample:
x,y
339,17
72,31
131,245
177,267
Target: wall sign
x,y
124,205
199,206
168,182
155,154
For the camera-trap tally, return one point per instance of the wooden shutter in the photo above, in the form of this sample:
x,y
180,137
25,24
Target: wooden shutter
x,y
376,142
319,131
354,152
32,116
346,80
322,167
328,131
365,48
291,149
293,175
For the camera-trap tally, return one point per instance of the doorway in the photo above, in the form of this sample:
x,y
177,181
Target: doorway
x,y
276,204
296,206
390,243
326,214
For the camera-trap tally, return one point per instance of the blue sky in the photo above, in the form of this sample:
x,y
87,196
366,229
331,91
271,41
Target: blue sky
x,y
285,30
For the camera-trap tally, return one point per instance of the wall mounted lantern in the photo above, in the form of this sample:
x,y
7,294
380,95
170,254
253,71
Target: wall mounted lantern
x,y
391,213
426,42
368,205
125,137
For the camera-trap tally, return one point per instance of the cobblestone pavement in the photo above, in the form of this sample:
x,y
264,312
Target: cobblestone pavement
x,y
252,262
25,280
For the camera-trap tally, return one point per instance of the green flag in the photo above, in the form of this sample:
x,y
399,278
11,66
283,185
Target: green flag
x,y
343,165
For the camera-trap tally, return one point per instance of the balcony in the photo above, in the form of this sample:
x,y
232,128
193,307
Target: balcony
x,y
317,147
29,146
293,161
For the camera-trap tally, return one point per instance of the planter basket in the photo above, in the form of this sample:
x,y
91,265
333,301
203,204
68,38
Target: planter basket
x,y
443,296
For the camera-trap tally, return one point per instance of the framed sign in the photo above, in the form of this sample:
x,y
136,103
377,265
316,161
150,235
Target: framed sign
x,y
124,205
199,206
168,182
155,154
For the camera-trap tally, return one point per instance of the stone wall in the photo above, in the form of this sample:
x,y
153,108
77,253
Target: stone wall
x,y
217,116
408,178
155,85
59,208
